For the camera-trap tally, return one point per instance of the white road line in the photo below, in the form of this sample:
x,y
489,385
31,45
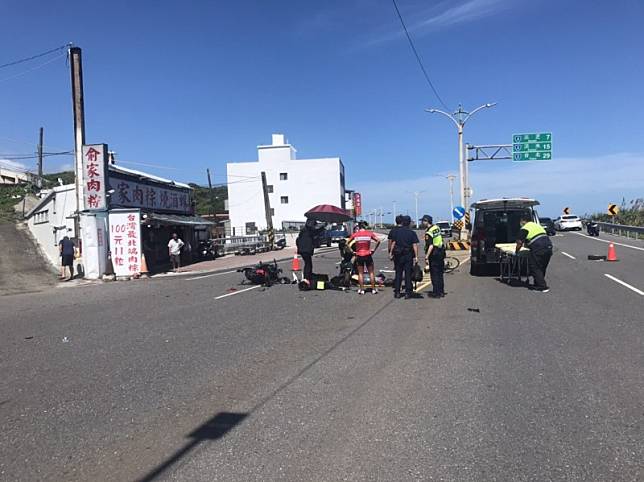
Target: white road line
x,y
569,255
209,275
639,292
237,292
614,242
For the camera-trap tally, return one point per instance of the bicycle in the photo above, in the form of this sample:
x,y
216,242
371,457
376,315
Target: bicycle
x,y
451,263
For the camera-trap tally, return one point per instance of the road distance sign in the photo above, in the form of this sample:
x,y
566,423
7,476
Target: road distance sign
x,y
532,147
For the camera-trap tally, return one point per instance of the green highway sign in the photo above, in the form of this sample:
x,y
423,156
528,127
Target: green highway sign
x,y
532,156
532,147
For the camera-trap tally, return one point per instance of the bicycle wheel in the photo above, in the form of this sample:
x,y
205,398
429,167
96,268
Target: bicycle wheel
x,y
451,264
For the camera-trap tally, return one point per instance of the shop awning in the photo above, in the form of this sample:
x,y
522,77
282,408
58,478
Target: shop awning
x,y
175,220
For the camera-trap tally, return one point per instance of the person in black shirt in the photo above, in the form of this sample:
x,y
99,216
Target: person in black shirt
x,y
390,240
403,251
67,249
306,243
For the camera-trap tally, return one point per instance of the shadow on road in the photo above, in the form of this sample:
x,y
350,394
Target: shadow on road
x,y
213,429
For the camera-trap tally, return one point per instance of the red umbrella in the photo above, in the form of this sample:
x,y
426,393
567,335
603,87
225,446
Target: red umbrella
x,y
328,213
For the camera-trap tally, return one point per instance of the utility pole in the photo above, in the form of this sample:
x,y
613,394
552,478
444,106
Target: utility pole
x,y
40,146
451,178
416,195
212,195
394,211
76,70
460,118
269,216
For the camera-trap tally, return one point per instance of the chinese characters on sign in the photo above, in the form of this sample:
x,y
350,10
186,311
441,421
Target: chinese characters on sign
x,y
125,242
134,194
357,204
93,181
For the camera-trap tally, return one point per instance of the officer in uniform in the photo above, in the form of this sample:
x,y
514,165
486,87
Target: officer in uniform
x,y
434,255
534,236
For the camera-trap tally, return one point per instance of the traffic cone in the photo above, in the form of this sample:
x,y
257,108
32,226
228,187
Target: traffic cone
x,y
612,255
296,263
144,267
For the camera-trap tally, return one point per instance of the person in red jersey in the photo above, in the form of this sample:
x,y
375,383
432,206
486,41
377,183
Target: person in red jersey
x,y
360,241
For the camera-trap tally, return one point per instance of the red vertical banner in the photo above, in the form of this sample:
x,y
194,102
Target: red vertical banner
x,y
357,204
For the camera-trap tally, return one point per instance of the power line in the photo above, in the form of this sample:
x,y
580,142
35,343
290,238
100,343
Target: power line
x,y
420,62
39,66
37,56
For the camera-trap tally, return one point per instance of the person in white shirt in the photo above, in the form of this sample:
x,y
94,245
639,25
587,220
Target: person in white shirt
x,y
174,248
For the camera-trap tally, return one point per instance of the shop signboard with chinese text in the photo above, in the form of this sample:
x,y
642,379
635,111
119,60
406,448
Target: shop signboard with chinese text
x,y
357,204
132,194
125,241
93,181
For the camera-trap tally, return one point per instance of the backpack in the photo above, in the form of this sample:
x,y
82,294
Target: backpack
x,y
417,273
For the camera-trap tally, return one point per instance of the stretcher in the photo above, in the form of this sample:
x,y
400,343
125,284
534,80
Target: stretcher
x,y
514,266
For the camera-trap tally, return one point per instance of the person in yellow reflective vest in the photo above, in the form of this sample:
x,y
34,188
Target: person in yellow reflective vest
x,y
533,236
434,256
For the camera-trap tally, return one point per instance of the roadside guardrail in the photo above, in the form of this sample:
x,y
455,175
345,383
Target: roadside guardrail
x,y
636,232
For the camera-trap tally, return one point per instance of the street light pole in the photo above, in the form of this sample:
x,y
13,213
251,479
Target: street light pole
x,y
451,178
460,118
394,211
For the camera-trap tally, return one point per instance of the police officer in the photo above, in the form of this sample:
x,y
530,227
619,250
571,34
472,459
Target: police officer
x,y
403,250
434,255
535,237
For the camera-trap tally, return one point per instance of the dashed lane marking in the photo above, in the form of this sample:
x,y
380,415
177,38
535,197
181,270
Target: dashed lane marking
x,y
608,242
237,292
569,255
630,287
211,274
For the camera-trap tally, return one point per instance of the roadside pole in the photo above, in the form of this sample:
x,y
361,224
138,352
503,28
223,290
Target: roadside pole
x,y
450,179
40,147
212,196
269,216
460,118
76,71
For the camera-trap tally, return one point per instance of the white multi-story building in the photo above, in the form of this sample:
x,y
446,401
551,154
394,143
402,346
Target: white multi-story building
x,y
294,186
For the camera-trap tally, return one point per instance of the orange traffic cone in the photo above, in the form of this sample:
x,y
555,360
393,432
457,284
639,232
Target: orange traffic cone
x,y
612,255
144,266
296,263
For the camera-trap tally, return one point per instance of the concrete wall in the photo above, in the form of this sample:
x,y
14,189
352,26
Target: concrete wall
x,y
310,182
56,211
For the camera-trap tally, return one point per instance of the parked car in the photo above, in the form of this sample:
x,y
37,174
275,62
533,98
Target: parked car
x,y
337,233
446,228
549,225
568,222
496,221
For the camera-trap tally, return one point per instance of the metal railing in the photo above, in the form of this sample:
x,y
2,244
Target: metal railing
x,y
635,232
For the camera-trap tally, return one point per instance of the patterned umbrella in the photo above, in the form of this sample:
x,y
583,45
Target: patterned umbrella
x,y
328,213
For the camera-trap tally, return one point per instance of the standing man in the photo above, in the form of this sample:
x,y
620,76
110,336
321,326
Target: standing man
x,y
364,255
174,249
306,242
434,256
535,237
403,250
67,249
390,240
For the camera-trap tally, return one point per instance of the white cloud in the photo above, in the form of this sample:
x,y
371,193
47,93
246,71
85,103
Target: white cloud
x,y
432,20
9,164
586,184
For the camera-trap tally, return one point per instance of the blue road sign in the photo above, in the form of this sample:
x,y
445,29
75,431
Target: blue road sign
x,y
458,212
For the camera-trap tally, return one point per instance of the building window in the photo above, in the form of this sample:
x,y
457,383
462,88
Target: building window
x,y
41,217
269,188
283,176
284,199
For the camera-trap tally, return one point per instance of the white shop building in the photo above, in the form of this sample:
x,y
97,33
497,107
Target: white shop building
x,y
294,186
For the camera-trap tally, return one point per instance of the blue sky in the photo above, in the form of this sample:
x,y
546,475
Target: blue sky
x,y
191,85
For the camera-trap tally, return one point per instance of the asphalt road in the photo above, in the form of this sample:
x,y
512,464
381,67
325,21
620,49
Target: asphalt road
x,y
186,379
